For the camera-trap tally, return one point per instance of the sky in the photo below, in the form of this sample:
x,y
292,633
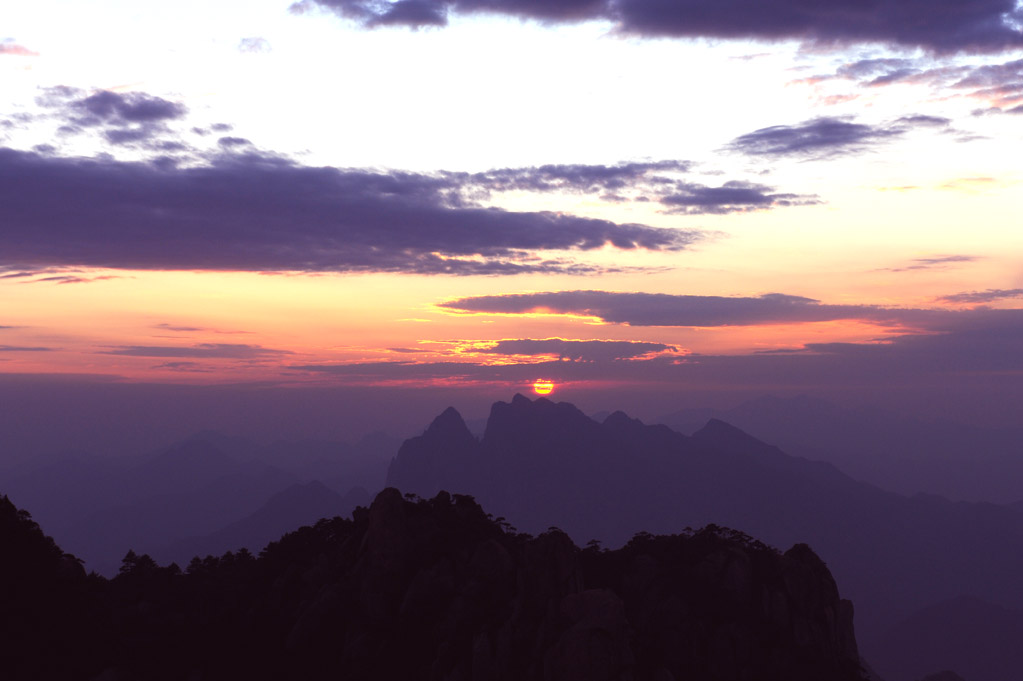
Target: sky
x,y
649,201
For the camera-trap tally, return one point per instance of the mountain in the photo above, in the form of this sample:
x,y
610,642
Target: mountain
x,y
977,639
436,589
298,505
894,452
541,463
99,507
47,617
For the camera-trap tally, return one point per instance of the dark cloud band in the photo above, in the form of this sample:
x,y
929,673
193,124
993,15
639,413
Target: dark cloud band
x,y
256,212
576,350
936,25
660,309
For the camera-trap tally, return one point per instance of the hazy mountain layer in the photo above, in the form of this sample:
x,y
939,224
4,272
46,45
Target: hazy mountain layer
x,y
541,463
894,452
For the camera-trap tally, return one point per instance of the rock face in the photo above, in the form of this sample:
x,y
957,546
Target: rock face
x,y
437,590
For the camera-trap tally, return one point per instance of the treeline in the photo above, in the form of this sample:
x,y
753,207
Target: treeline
x,y
427,589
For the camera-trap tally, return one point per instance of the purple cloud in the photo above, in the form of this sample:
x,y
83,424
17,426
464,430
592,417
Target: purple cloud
x,y
647,181
121,118
731,197
932,263
183,366
199,351
942,26
828,137
261,213
21,348
661,309
577,350
998,85
981,297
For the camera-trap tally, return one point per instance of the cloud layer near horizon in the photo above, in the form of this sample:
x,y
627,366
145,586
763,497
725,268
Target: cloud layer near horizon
x,y
936,25
661,309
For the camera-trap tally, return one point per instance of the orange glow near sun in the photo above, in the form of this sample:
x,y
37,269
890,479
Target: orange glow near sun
x,y
543,387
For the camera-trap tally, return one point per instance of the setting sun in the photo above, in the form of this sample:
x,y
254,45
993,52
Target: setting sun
x,y
543,387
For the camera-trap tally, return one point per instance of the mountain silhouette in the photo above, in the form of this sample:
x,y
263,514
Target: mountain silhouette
x,y
541,463
898,453
433,589
977,639
96,506
298,505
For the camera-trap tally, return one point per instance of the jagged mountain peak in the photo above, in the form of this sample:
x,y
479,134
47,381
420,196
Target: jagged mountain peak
x,y
521,413
620,420
449,424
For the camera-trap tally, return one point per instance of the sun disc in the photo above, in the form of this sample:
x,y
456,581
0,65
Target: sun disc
x,y
543,386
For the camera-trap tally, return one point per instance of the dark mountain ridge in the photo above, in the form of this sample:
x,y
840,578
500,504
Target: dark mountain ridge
x,y
429,589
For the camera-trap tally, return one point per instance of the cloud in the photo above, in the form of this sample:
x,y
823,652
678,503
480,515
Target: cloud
x,y
731,197
121,118
981,297
661,309
177,328
999,86
255,212
12,48
828,137
199,351
579,177
576,350
939,26
72,279
938,262
642,181
254,45
192,367
21,348
976,359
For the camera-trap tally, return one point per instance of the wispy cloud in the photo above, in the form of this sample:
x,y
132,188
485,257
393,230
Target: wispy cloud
x,y
254,45
998,87
938,262
659,309
991,295
199,351
12,48
572,350
828,137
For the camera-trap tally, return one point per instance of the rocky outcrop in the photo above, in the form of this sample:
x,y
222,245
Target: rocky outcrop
x,y
437,590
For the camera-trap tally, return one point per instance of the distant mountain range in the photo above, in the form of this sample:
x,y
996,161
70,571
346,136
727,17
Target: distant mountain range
x,y
298,505
894,452
540,463
99,508
905,562
980,640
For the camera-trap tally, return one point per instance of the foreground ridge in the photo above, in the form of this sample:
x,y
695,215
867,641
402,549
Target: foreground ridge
x,y
436,589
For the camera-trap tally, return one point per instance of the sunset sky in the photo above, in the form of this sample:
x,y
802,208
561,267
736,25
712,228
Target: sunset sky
x,y
622,196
